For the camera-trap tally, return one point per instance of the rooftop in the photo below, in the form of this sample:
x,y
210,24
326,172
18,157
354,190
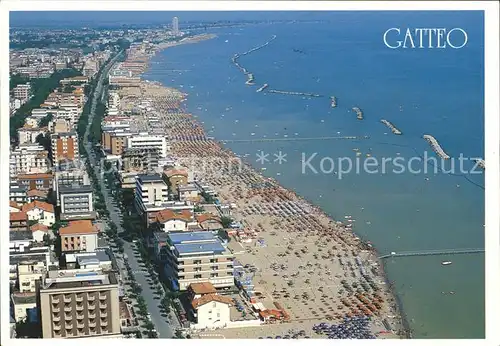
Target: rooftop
x,y
186,237
211,298
192,248
203,288
150,178
34,176
18,216
167,214
40,205
75,188
78,227
24,298
20,235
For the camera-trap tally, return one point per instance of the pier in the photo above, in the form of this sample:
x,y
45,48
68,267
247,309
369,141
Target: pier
x,y
391,126
480,163
296,93
359,113
432,253
250,79
290,139
436,147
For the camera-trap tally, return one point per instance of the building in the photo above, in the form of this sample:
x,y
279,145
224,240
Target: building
x,y
40,211
29,134
76,202
64,147
194,257
172,221
209,309
146,141
79,235
69,177
140,160
37,181
188,192
17,193
150,191
176,178
39,232
209,221
114,142
21,303
78,303
18,221
22,92
175,26
28,273
29,158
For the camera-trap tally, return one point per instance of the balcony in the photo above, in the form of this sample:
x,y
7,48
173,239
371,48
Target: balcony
x,y
103,305
68,317
91,298
56,327
92,324
55,300
56,318
79,299
79,307
104,323
80,325
91,315
80,317
55,309
103,314
102,296
67,299
68,309
68,326
91,306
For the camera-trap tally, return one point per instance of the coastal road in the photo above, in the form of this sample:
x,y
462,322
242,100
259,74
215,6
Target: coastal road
x,y
164,328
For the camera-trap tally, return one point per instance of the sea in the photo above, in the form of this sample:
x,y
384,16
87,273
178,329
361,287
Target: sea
x,y
420,206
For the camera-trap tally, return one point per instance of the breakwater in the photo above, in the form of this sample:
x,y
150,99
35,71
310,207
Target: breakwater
x,y
262,88
436,147
390,125
359,113
296,93
234,59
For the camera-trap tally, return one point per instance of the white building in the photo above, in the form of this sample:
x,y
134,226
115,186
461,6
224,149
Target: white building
x,y
40,211
145,141
175,26
29,158
22,92
210,310
28,134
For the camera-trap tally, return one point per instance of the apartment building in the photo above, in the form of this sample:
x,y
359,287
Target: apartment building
x,y
78,303
64,147
18,221
29,158
145,141
80,235
22,92
60,125
28,134
22,303
37,181
140,160
40,211
28,273
176,178
150,189
76,202
114,141
194,257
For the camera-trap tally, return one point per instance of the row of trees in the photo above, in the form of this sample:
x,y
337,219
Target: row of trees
x,y
41,88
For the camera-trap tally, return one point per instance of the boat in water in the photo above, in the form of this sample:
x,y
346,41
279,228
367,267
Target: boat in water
x,y
446,263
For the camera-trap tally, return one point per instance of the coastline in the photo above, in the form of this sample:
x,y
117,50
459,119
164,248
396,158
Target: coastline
x,y
191,146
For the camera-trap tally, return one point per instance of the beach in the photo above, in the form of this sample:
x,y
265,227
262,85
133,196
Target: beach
x,y
315,267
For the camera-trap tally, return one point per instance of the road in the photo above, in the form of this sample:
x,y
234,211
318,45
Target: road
x,y
164,328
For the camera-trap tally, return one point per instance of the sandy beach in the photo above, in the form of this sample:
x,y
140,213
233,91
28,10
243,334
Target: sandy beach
x,y
315,267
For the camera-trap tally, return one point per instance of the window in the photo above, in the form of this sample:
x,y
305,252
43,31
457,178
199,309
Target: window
x,y
197,276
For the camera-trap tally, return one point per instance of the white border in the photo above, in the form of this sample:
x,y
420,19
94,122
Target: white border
x,y
492,125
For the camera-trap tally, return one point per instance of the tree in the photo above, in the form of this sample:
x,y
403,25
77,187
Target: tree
x,y
226,221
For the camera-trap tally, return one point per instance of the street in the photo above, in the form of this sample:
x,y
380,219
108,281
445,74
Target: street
x,y
164,329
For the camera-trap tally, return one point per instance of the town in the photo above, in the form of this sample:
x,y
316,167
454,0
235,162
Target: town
x,y
122,225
